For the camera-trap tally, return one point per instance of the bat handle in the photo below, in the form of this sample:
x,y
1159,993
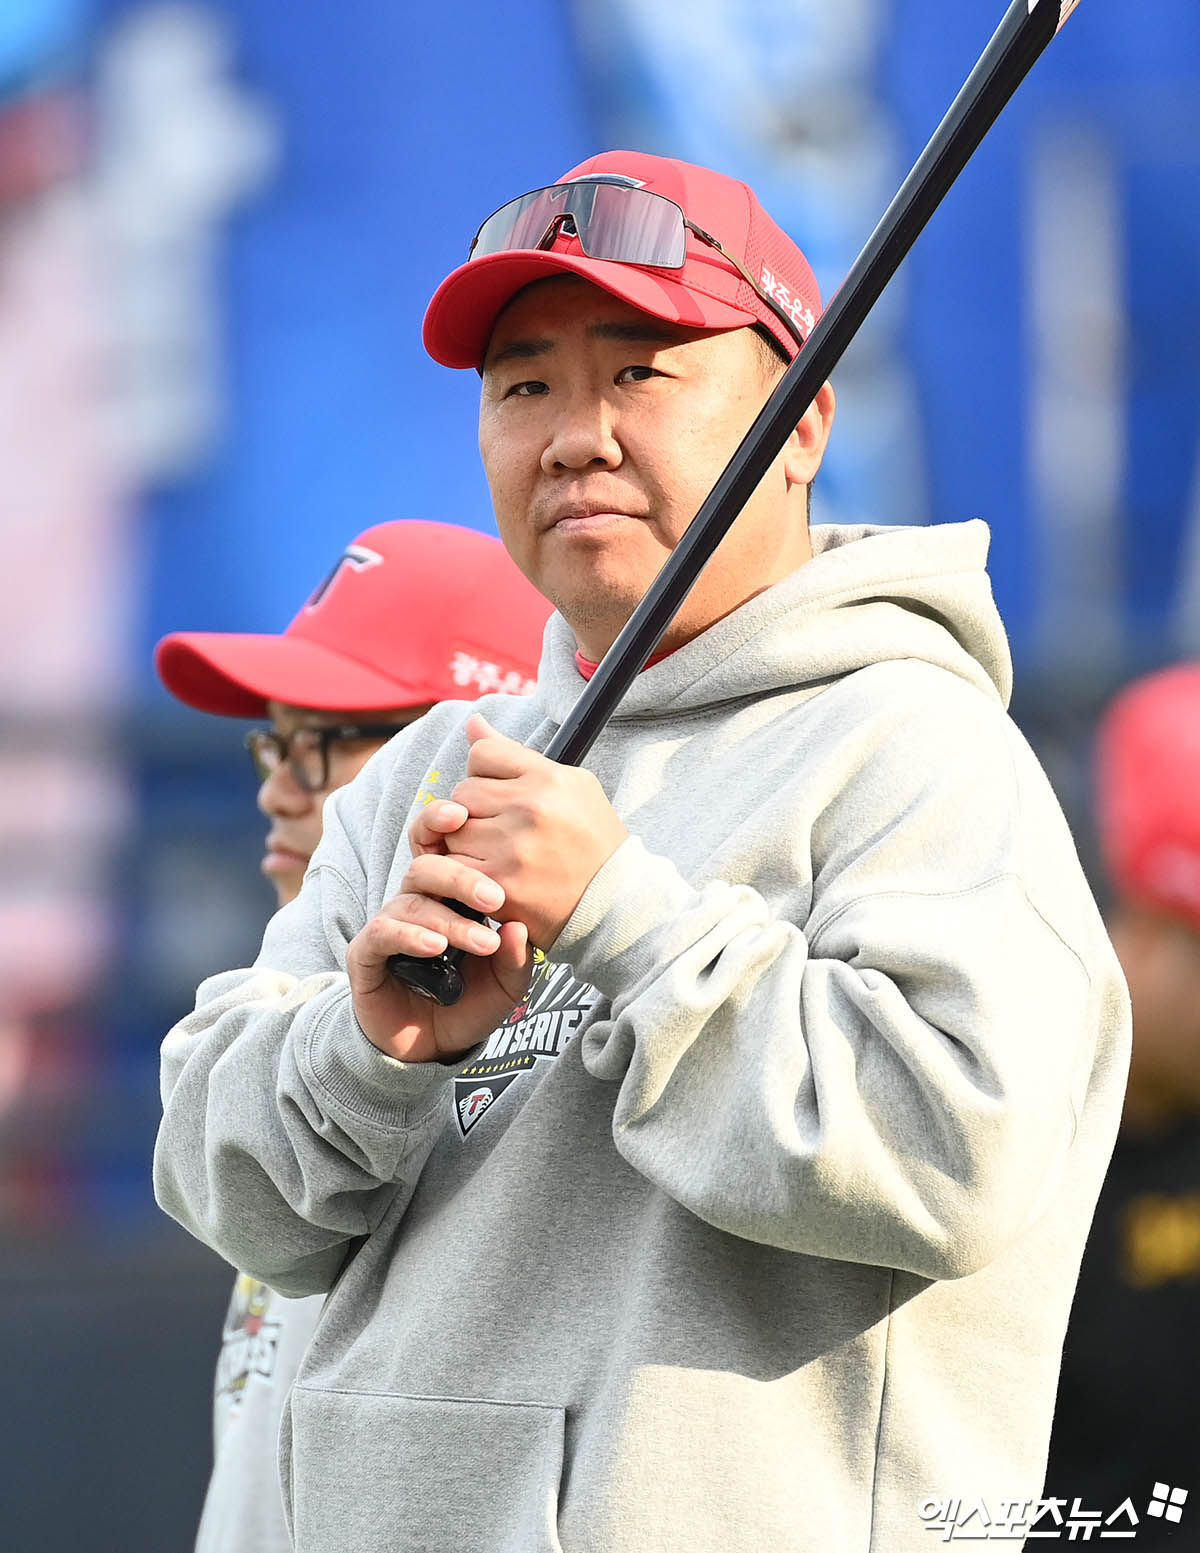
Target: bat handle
x,y
437,977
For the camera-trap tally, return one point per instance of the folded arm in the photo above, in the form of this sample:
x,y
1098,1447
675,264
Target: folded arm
x,y
892,1076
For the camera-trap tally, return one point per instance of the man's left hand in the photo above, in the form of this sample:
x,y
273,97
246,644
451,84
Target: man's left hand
x,y
542,831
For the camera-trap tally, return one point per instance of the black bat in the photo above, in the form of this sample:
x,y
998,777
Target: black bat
x,y
1020,39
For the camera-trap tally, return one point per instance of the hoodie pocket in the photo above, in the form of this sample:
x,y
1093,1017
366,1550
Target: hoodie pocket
x,y
380,1473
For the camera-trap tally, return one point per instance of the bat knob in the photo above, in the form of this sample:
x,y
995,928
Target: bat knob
x,y
439,979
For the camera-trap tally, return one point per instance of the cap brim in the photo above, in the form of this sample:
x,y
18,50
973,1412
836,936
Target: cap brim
x,y
235,676
463,312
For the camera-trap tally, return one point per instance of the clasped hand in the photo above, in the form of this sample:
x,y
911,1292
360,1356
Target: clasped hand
x,y
520,839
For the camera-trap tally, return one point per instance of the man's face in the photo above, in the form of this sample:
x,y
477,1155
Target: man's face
x,y
294,810
603,429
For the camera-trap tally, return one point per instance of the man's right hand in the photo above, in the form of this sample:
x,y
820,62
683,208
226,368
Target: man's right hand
x,y
400,1022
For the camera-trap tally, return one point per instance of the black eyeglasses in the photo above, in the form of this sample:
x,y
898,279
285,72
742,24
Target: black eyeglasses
x,y
612,220
306,750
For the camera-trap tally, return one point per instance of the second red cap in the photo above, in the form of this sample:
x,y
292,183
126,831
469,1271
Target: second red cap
x,y
1148,790
412,613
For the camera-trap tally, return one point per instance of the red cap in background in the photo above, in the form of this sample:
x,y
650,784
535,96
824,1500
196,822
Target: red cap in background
x,y
707,293
412,613
1148,790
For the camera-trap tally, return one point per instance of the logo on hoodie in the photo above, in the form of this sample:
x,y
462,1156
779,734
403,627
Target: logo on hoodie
x,y
537,1030
249,1340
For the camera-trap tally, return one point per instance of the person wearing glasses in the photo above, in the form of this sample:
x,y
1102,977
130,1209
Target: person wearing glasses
x,y
738,1201
412,613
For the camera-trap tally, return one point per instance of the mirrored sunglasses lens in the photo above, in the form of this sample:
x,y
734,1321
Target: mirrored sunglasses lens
x,y
629,226
632,226
519,224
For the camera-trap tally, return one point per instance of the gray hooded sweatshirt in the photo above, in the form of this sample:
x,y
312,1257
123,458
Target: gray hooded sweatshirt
x,y
756,1226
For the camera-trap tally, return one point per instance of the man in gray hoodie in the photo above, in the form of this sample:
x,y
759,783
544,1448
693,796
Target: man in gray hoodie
x,y
739,1202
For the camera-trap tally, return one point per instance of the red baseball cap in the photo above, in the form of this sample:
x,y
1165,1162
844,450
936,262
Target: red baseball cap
x,y
1148,790
411,613
707,293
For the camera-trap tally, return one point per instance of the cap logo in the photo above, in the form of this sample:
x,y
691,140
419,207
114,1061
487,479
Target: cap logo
x,y
800,314
469,671
357,557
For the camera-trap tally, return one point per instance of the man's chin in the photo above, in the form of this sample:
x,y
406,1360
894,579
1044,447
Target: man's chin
x,y
597,608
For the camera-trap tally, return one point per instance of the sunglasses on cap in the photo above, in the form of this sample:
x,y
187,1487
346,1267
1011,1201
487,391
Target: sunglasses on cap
x,y
613,220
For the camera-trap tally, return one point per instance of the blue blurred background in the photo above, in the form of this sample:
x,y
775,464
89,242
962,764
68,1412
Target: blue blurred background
x,y
219,225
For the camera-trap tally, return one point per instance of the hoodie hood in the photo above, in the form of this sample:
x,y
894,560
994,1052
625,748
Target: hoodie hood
x,y
869,595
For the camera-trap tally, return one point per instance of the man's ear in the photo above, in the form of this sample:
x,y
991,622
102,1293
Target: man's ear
x,y
805,447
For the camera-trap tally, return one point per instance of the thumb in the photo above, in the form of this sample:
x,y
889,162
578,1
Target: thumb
x,y
477,727
512,964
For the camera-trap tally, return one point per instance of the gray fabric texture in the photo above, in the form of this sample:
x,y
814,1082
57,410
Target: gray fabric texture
x,y
760,1224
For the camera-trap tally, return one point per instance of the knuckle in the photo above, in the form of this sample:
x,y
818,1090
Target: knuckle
x,y
367,943
417,869
422,873
414,907
400,909
463,876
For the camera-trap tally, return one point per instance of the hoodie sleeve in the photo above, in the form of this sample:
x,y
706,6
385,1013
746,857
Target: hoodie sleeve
x,y
286,1134
892,1076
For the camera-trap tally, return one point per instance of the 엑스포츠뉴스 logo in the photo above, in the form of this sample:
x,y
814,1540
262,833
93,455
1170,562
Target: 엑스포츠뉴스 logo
x,y
1167,1503
1048,1519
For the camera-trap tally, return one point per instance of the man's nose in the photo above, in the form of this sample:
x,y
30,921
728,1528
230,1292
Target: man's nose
x,y
281,794
584,437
